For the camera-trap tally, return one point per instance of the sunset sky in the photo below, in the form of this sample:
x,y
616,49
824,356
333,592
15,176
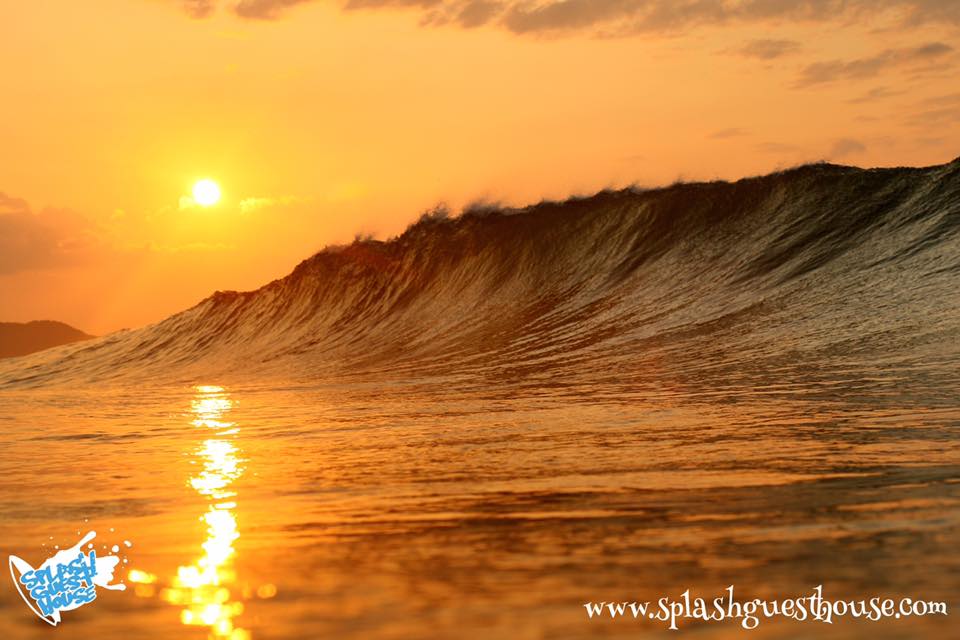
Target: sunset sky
x,y
323,119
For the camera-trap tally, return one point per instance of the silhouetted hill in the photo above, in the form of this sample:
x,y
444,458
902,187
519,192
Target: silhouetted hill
x,y
22,338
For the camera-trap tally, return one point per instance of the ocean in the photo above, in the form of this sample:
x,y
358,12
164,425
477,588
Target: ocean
x,y
476,428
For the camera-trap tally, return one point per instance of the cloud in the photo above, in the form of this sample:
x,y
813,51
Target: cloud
x,y
198,8
777,147
944,100
728,133
829,71
845,147
877,93
939,117
48,239
249,205
936,111
477,13
768,49
611,16
263,9
253,204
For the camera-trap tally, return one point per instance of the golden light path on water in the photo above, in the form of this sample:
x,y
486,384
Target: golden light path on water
x,y
204,588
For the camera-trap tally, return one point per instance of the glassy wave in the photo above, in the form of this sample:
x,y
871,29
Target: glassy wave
x,y
825,271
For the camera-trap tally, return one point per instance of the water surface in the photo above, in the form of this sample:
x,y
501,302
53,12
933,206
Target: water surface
x,y
373,511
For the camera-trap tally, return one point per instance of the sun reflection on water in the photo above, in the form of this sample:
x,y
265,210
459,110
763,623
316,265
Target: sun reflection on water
x,y
203,588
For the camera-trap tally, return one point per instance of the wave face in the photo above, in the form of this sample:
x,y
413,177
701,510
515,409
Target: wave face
x,y
816,274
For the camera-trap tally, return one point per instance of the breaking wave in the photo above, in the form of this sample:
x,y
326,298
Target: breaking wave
x,y
820,273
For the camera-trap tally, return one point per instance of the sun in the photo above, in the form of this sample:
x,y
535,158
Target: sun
x,y
206,193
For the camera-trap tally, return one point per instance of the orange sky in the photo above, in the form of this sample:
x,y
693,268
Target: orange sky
x,y
321,121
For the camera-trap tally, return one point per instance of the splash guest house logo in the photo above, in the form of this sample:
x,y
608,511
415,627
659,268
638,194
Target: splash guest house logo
x,y
66,581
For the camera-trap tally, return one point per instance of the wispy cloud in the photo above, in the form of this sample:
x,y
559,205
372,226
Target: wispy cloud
x,y
198,8
609,16
846,147
728,133
41,240
875,94
477,13
263,9
253,204
768,49
937,117
951,99
777,147
249,205
832,70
